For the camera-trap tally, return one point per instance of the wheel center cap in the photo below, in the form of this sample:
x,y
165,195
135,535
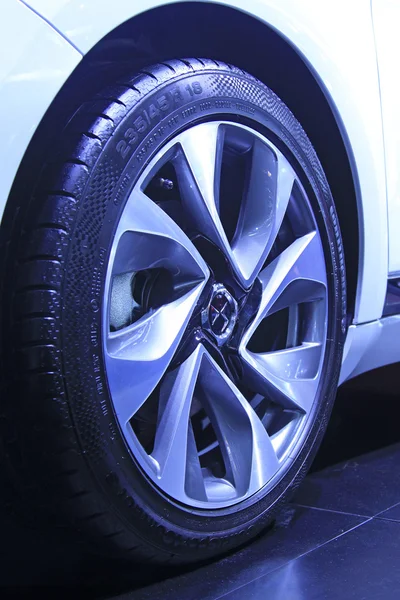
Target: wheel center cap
x,y
220,315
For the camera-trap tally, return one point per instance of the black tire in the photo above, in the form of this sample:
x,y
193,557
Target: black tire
x,y
62,442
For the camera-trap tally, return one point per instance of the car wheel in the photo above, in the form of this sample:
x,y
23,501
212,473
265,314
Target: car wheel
x,y
174,320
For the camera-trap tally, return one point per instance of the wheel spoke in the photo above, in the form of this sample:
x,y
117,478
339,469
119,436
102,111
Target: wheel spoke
x,y
249,456
290,376
297,275
264,204
174,449
137,356
270,185
300,362
199,170
148,238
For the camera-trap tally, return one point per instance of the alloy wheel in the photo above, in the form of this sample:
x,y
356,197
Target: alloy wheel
x,y
215,316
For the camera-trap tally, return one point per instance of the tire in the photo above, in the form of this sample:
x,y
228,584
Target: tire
x,y
70,458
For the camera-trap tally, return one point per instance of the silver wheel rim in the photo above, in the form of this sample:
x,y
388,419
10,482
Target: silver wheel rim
x,y
214,413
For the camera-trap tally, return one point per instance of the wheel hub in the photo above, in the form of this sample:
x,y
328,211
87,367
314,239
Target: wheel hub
x,y
220,315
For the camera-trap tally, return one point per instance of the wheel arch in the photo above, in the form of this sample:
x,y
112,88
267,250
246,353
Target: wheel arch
x,y
142,40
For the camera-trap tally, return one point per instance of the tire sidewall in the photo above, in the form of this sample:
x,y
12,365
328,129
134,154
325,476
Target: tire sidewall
x,y
154,120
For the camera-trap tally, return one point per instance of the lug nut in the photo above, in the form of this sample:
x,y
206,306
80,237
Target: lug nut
x,y
166,184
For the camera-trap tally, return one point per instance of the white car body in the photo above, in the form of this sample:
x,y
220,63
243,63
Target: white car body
x,y
350,47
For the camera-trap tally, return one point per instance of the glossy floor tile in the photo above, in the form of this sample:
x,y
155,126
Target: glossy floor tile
x,y
360,565
363,486
345,543
392,514
298,531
